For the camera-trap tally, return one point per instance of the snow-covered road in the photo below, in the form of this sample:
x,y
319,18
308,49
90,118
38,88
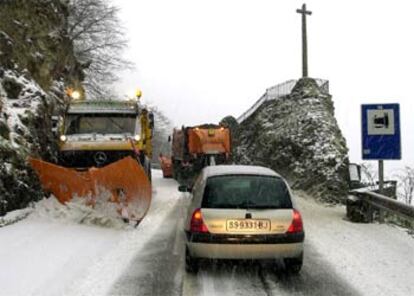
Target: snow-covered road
x,y
50,253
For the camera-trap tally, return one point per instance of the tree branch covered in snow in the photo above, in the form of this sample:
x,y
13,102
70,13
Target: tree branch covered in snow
x,y
98,37
368,174
406,185
162,129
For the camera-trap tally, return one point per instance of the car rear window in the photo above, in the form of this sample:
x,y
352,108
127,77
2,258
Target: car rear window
x,y
246,192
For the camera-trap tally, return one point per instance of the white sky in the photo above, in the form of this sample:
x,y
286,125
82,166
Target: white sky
x,y
199,61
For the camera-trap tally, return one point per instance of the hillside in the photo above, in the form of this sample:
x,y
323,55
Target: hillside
x,y
36,65
298,136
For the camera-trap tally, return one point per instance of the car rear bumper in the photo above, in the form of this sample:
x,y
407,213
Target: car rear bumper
x,y
245,247
245,251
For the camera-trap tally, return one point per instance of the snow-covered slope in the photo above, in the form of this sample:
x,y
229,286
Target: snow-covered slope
x,y
298,136
37,63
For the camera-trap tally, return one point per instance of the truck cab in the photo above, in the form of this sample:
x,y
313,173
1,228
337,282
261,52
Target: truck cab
x,y
95,133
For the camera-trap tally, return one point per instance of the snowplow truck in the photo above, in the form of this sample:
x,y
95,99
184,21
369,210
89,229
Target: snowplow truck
x,y
195,147
104,156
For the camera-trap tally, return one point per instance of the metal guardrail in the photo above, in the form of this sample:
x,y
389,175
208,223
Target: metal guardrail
x,y
362,204
279,91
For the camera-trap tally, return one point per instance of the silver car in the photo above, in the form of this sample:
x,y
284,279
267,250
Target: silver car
x,y
242,212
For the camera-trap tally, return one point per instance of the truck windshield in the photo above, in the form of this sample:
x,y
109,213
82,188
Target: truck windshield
x,y
246,192
100,124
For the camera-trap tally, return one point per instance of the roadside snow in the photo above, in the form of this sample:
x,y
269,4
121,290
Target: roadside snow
x,y
376,259
77,212
15,216
50,253
45,257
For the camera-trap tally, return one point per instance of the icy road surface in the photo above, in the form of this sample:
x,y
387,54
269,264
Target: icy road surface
x,y
51,253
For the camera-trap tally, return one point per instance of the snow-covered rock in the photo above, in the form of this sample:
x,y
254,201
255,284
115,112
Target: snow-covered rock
x,y
35,67
298,136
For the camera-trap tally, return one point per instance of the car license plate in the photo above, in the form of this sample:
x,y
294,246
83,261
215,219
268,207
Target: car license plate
x,y
248,225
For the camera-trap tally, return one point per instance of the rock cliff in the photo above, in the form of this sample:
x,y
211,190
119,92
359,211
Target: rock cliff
x,y
298,136
36,64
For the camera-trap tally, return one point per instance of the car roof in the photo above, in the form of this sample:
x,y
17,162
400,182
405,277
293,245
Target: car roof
x,y
219,170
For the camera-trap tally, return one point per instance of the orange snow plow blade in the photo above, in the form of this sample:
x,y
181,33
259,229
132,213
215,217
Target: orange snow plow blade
x,y
123,182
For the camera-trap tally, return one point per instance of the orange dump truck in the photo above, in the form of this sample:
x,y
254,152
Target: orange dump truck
x,y
166,166
196,147
104,153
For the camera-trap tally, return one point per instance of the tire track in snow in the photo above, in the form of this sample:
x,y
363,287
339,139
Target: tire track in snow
x,y
267,277
224,278
316,278
265,283
157,268
104,275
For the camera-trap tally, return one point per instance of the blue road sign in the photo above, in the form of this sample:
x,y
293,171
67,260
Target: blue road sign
x,y
381,136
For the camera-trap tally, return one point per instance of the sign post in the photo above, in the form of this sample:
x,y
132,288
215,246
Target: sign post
x,y
381,136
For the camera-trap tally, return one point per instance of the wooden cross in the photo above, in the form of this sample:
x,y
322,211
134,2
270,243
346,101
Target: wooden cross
x,y
304,12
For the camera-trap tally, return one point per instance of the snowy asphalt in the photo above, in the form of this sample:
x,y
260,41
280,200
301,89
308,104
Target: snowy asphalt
x,y
267,278
160,271
52,253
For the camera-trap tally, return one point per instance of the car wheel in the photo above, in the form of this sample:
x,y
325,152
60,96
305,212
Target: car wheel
x,y
191,263
293,265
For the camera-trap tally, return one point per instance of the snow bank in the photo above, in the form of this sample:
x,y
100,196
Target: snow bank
x,y
47,255
15,216
77,212
376,259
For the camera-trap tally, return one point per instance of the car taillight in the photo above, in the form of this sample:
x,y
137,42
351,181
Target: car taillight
x,y
197,223
297,225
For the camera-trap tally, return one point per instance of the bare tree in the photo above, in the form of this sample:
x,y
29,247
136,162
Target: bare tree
x,y
162,130
368,174
406,185
98,37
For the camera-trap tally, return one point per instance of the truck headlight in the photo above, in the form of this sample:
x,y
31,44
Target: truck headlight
x,y
76,95
63,138
137,138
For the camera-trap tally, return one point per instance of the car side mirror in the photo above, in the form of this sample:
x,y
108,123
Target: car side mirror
x,y
184,188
